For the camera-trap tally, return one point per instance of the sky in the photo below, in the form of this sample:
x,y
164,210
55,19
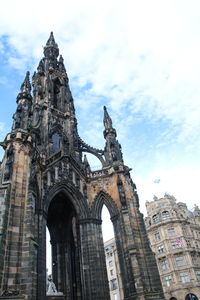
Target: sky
x,y
139,58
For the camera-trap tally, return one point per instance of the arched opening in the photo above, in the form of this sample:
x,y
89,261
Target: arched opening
x,y
107,226
48,253
111,255
65,263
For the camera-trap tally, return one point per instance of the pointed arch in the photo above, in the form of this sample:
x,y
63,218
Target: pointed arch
x,y
74,196
101,199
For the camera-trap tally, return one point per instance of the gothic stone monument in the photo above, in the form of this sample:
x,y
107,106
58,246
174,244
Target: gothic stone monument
x,y
46,182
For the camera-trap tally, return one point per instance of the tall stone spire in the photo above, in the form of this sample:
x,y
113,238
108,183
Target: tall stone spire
x,y
107,121
24,102
112,151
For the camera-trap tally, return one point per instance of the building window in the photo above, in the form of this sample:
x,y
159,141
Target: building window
x,y
165,215
110,263
164,264
184,277
157,236
188,243
161,249
168,280
171,232
198,275
191,297
113,284
155,219
112,272
180,261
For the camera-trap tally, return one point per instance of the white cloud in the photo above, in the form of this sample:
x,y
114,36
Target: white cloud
x,y
141,57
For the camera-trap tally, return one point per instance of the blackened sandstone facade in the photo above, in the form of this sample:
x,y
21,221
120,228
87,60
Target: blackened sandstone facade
x,y
46,181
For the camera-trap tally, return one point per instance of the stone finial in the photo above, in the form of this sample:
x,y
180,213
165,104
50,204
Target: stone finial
x,y
107,121
168,196
25,89
26,85
86,163
61,64
51,41
61,60
51,49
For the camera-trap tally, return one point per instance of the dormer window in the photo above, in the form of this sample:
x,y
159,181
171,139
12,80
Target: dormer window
x,y
165,215
155,219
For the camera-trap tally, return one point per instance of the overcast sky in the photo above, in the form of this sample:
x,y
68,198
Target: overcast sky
x,y
139,58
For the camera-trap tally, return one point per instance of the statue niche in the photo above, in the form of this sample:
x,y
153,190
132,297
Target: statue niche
x,y
54,87
17,117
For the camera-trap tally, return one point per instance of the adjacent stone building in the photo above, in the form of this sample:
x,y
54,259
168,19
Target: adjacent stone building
x,y
174,235
46,181
113,270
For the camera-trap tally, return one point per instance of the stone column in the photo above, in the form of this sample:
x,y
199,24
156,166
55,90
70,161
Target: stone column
x,y
19,248
139,272
41,257
93,265
127,275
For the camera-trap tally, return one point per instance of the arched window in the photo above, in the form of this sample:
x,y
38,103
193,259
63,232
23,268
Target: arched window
x,y
56,142
172,298
165,215
191,297
155,219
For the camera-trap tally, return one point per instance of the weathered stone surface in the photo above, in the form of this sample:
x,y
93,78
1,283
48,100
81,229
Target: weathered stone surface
x,y
49,183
